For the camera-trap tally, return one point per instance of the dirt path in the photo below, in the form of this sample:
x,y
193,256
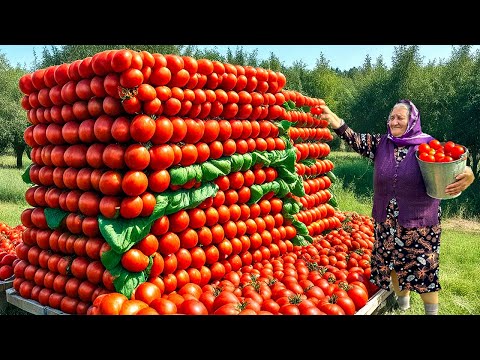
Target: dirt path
x,y
461,224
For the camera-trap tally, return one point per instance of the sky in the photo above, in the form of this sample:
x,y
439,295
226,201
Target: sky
x,y
343,57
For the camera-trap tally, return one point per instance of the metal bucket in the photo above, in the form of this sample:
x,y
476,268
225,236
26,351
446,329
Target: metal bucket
x,y
437,175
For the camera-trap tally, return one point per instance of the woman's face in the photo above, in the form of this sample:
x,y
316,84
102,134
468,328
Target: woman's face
x,y
398,121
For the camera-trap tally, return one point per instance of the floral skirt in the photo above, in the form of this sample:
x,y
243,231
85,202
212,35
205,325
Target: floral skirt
x,y
412,252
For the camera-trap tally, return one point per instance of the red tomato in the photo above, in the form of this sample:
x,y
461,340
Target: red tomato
x,y
435,144
331,309
191,288
359,296
347,304
228,309
147,292
424,148
148,245
134,260
111,304
164,306
448,146
426,157
457,152
225,297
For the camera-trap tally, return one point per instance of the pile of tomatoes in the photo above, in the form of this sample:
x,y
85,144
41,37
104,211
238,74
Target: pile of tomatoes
x,y
328,277
10,237
111,133
435,151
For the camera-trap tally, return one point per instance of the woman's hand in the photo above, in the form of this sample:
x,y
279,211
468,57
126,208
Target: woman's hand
x,y
333,120
464,180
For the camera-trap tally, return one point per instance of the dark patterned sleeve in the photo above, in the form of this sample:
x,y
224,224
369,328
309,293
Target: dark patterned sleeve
x,y
364,144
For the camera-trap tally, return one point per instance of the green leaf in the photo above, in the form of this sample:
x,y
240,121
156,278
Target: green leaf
x,y
331,176
261,157
300,240
126,282
26,175
287,208
237,161
223,164
247,161
188,199
333,201
283,126
121,234
54,217
210,171
283,188
298,188
110,259
290,207
256,192
300,226
178,175
308,162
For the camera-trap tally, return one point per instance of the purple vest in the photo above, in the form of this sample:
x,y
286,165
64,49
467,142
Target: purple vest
x,y
404,182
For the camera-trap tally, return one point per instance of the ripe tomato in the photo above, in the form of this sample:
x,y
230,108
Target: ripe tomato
x,y
131,207
192,307
132,307
426,157
191,288
435,144
134,260
111,304
424,148
148,245
358,295
448,146
168,244
164,306
331,309
146,292
457,152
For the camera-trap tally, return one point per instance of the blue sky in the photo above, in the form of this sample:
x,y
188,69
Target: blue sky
x,y
342,56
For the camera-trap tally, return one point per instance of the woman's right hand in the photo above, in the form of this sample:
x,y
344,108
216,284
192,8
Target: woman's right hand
x,y
333,120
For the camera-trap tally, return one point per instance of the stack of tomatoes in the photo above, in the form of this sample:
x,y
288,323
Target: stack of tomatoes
x,y
435,151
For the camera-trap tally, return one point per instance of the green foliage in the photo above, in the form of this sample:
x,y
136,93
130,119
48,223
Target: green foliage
x,y
13,120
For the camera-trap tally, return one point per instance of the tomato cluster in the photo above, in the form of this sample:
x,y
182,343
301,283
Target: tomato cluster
x,y
10,237
328,277
435,151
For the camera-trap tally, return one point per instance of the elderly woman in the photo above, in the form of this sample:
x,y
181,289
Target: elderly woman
x,y
407,220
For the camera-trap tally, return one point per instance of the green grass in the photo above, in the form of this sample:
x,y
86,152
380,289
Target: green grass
x,y
12,190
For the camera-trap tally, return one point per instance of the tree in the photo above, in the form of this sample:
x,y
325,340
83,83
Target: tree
x,y
13,119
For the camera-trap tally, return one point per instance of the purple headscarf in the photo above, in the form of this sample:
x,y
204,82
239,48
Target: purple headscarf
x,y
413,135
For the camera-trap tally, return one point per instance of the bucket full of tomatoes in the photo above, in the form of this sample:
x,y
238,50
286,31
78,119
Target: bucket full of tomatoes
x,y
440,163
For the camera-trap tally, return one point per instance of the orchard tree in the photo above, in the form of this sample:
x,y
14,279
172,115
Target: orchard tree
x,y
461,76
13,119
367,111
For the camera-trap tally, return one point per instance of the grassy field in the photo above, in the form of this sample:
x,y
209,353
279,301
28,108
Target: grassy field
x,y
12,190
460,249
